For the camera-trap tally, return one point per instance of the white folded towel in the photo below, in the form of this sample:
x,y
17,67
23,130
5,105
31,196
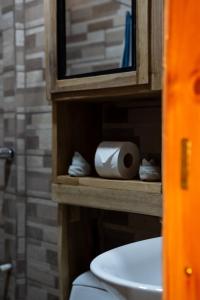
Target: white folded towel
x,y
79,166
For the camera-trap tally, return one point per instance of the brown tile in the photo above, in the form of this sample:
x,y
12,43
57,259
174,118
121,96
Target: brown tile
x,y
10,248
105,9
34,233
32,142
35,96
36,252
77,38
74,53
53,297
47,161
100,25
21,267
21,290
37,181
9,83
8,68
35,292
30,41
52,257
19,15
34,10
93,50
34,64
10,228
32,210
38,274
104,67
81,15
9,207
2,175
10,185
115,37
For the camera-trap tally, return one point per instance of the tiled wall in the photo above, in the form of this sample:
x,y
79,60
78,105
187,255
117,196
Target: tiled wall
x,y
28,231
95,34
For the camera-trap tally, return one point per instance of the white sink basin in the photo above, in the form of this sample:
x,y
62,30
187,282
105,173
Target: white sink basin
x,y
133,271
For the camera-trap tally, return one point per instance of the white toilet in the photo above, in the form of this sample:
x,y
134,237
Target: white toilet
x,y
89,287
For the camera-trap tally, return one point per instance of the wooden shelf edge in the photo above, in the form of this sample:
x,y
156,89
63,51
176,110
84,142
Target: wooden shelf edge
x,y
130,185
117,200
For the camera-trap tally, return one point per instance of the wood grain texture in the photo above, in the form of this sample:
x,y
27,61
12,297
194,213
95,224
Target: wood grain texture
x,y
142,41
63,179
78,128
112,94
157,20
102,198
54,141
95,83
181,151
81,243
74,246
130,185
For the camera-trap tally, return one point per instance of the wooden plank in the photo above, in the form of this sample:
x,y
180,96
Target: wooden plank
x,y
54,141
118,200
181,151
64,179
142,41
128,94
97,82
157,12
130,185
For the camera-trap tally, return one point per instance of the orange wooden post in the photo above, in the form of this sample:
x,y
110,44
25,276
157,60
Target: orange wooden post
x,y
181,143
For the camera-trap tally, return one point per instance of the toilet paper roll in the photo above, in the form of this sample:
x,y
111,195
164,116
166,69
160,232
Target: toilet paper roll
x,y
117,160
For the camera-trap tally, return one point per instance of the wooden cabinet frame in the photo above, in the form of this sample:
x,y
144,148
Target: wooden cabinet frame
x,y
123,79
70,193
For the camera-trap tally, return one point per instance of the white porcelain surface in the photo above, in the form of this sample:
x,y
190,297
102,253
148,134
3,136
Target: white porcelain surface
x,y
133,271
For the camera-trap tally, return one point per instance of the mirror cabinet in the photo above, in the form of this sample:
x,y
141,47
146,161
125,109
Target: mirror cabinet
x,y
104,44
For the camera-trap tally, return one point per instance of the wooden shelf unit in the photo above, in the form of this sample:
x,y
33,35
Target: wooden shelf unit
x,y
77,126
117,195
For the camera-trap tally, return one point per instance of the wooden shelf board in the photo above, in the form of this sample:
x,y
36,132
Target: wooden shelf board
x,y
128,196
130,185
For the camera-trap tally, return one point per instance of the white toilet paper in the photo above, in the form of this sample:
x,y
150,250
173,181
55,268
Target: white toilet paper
x,y
117,160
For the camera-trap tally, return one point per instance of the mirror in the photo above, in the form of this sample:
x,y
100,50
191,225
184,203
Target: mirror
x,y
100,37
